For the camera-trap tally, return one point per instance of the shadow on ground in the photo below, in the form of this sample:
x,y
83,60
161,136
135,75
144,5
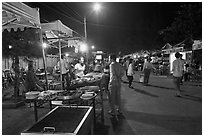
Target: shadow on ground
x,y
120,126
192,98
145,92
101,129
179,124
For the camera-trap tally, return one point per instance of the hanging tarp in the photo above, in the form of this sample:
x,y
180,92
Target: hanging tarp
x,y
53,30
17,15
57,28
197,44
166,48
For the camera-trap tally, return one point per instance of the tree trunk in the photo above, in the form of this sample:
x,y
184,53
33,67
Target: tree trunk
x,y
16,79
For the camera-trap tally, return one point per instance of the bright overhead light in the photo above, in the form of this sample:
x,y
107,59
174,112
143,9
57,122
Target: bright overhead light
x,y
10,47
67,54
92,47
83,47
44,45
97,7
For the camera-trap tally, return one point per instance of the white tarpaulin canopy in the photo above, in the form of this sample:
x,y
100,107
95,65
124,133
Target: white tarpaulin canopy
x,y
18,15
197,44
57,27
55,32
166,46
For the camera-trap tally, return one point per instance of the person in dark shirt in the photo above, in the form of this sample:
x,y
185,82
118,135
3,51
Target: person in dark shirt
x,y
31,81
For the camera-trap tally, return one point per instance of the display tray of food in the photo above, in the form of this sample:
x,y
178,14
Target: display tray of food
x,y
32,94
75,85
73,94
48,94
90,88
88,96
64,120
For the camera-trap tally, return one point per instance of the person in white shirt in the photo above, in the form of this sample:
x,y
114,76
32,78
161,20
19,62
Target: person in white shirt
x,y
130,72
79,68
147,67
116,73
178,67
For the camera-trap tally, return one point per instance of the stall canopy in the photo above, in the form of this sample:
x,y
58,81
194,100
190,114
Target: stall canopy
x,y
56,34
18,15
166,46
55,29
197,44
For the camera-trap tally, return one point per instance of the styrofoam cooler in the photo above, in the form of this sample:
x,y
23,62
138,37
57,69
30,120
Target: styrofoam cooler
x,y
141,78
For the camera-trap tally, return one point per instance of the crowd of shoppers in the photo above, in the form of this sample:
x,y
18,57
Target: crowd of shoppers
x,y
113,73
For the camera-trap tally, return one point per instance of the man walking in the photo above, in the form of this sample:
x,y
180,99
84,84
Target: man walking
x,y
116,73
177,69
147,67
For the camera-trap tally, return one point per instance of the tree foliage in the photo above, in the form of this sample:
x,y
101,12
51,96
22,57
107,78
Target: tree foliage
x,y
23,43
20,43
188,24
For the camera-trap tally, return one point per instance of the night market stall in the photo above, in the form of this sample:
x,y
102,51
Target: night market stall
x,y
55,31
86,103
17,16
82,91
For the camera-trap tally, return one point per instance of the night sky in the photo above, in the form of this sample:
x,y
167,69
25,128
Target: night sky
x,y
119,26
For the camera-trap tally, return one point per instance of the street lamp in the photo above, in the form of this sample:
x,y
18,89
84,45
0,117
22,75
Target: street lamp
x,y
92,47
96,7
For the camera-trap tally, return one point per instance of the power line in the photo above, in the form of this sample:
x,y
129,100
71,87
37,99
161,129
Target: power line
x,y
76,13
63,11
78,21
63,14
109,26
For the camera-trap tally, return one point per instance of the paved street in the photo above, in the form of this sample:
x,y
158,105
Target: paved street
x,y
148,110
154,109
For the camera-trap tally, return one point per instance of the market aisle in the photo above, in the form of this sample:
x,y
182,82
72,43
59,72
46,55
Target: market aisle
x,y
148,110
152,110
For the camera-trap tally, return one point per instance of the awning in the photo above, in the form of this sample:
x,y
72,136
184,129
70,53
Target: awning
x,y
197,44
166,46
56,28
18,15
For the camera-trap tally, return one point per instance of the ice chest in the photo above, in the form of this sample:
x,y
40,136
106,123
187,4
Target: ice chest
x,y
64,120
